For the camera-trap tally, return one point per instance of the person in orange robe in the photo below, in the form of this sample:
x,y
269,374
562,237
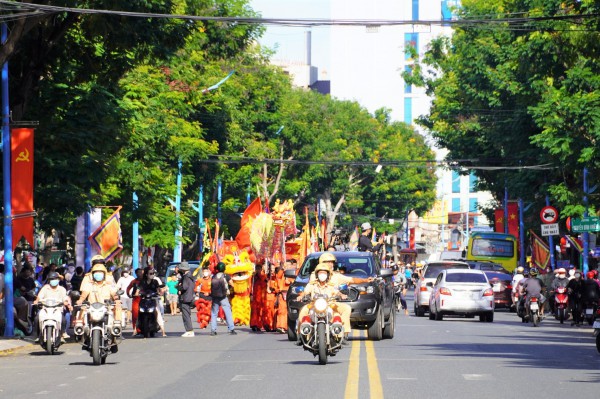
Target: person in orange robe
x,y
281,288
258,302
204,302
269,309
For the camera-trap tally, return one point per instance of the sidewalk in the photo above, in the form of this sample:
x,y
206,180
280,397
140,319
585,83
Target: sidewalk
x,y
9,345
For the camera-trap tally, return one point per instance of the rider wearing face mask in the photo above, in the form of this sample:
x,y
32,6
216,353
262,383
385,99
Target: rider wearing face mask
x,y
52,290
322,285
101,290
560,280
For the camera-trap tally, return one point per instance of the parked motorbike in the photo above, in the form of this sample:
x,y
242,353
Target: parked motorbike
x,y
561,304
99,330
50,319
321,331
146,321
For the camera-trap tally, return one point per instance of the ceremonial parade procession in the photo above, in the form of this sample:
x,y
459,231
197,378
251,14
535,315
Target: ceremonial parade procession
x,y
292,198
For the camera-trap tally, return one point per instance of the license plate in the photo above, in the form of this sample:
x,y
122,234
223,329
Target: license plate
x,y
596,324
497,288
534,306
589,312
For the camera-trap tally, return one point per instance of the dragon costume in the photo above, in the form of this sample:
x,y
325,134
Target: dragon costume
x,y
240,268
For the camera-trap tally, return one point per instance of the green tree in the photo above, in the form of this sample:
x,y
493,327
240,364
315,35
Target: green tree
x,y
508,95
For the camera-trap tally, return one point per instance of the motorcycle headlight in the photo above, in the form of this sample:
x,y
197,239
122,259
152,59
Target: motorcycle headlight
x,y
320,305
97,313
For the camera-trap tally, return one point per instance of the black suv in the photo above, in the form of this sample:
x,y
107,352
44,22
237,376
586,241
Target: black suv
x,y
371,303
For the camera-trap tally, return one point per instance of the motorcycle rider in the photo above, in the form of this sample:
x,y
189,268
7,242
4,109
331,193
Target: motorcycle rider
x,y
149,285
400,280
515,281
560,280
590,291
101,290
575,288
52,290
88,279
338,279
323,286
533,287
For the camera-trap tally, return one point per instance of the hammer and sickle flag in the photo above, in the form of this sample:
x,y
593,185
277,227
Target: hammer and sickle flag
x,y
107,238
21,184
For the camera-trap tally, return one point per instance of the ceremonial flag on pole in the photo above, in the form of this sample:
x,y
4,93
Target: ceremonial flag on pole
x,y
513,219
107,238
243,236
304,240
499,220
540,252
21,185
574,243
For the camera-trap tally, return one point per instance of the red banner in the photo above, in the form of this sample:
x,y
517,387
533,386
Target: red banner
x,y
243,236
499,220
411,238
513,219
540,252
107,239
21,184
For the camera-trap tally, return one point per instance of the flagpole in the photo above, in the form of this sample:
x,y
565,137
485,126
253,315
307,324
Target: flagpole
x,y
551,243
8,252
522,234
178,232
136,232
586,235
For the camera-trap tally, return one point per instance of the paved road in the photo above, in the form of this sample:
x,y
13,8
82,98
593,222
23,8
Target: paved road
x,y
454,358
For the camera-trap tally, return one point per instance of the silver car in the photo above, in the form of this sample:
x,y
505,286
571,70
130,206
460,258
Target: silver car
x,y
462,292
428,275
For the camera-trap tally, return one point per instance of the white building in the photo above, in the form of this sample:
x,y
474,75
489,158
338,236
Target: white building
x,y
366,65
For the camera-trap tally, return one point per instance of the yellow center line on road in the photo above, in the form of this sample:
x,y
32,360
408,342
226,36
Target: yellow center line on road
x,y
375,387
353,371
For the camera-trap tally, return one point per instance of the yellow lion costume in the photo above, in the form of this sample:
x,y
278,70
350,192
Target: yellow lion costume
x,y
240,268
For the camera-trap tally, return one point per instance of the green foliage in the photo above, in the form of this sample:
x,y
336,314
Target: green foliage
x,y
510,97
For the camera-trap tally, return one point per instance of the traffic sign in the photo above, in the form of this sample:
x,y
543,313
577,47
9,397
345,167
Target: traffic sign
x,y
549,214
584,225
550,229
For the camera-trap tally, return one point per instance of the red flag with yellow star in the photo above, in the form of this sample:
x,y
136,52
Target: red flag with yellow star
x,y
513,219
243,236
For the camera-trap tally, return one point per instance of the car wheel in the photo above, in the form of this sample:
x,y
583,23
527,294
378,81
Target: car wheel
x,y
431,315
375,330
418,311
439,316
388,330
490,317
291,331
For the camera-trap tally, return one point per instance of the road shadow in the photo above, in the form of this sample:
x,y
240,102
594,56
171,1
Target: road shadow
x,y
310,362
90,363
44,353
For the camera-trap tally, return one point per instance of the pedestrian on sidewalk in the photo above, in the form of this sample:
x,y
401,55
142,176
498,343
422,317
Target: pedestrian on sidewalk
x,y
186,297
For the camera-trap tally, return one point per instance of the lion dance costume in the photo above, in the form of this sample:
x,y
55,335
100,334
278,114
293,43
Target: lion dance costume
x,y
240,268
204,303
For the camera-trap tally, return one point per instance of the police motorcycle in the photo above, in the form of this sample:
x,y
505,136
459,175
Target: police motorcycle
x,y
50,316
100,332
146,322
321,331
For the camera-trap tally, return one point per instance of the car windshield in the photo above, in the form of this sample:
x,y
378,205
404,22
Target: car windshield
x,y
355,266
433,270
465,278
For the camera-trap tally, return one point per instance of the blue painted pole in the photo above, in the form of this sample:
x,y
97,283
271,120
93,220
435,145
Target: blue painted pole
x,y
87,259
135,264
178,232
219,198
505,210
521,234
586,236
248,196
551,243
8,250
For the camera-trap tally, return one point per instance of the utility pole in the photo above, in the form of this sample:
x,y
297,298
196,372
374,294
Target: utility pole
x,y
8,251
586,235
136,243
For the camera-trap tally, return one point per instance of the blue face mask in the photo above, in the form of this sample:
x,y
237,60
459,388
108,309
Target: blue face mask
x,y
98,276
53,283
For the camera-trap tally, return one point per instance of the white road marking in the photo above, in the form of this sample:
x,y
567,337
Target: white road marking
x,y
240,377
478,377
42,393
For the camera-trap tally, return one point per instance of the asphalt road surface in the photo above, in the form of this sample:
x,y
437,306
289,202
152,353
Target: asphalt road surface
x,y
453,358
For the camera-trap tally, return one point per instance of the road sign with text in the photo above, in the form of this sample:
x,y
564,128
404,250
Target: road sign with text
x,y
585,225
550,229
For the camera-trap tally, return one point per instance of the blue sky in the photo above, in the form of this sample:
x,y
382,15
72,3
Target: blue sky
x,y
289,41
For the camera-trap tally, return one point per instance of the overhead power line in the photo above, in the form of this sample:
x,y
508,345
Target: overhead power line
x,y
513,22
224,159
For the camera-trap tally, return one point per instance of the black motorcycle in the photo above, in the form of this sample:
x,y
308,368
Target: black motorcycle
x,y
146,322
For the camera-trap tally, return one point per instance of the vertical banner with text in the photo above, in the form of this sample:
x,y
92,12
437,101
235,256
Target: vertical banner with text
x,y
21,184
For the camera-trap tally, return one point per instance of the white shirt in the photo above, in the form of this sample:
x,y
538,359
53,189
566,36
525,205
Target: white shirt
x,y
515,281
123,282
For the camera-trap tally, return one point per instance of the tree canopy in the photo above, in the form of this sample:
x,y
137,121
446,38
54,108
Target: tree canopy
x,y
512,95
